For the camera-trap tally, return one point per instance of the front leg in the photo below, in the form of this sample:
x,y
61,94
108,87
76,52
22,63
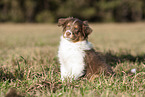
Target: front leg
x,y
64,73
78,71
72,73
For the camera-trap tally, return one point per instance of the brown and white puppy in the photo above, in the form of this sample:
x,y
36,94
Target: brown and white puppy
x,y
76,55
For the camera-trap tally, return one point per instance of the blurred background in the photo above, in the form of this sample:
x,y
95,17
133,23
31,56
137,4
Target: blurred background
x,y
39,11
29,40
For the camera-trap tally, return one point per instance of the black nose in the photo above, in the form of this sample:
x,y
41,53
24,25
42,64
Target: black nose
x,y
68,33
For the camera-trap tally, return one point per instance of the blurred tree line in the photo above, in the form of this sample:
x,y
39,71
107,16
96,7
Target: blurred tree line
x,y
92,10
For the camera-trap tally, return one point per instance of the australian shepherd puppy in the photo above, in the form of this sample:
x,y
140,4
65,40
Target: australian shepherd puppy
x,y
76,55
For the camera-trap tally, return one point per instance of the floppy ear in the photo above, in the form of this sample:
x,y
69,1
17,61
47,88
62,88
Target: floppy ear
x,y
86,28
62,21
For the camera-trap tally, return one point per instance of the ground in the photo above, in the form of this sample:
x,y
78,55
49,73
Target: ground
x,y
29,63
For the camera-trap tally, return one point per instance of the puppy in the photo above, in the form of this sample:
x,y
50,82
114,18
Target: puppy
x,y
76,55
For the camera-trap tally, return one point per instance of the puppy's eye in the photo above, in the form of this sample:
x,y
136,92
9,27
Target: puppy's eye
x,y
67,26
76,28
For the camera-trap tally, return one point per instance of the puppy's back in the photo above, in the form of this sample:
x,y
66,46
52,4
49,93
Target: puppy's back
x,y
96,64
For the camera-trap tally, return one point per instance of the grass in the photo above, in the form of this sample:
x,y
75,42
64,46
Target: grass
x,y
29,63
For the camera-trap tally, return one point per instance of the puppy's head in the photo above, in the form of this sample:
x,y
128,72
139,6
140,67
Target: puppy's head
x,y
74,29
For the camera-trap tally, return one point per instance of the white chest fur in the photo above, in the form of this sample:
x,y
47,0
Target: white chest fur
x,y
71,56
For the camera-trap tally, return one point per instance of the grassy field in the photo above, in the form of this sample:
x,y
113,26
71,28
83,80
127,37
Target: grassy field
x,y
29,63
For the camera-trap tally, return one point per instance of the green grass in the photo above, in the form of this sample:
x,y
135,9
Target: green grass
x,y
29,63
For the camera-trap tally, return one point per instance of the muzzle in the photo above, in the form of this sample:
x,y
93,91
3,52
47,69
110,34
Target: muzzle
x,y
68,34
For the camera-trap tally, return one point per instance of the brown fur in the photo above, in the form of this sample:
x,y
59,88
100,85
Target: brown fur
x,y
95,64
80,29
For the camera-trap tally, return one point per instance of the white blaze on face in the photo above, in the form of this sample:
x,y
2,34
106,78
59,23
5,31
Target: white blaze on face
x,y
68,34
